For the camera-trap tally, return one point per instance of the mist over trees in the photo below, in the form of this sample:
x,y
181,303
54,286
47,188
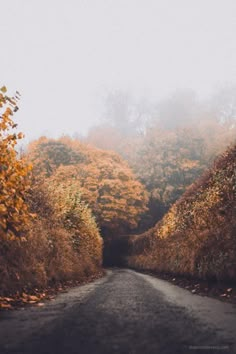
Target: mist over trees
x,y
167,143
125,157
64,199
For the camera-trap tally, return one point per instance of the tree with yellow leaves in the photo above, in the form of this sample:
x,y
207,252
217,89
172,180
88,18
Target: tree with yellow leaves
x,y
65,192
106,182
14,172
111,189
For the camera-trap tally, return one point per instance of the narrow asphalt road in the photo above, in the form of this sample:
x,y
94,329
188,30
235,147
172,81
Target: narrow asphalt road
x,y
124,312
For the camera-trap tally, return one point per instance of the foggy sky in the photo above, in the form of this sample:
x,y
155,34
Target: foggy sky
x,y
64,56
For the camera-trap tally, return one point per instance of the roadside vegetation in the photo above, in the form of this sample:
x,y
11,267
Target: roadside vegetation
x,y
103,180
168,143
56,202
144,192
197,236
179,150
47,237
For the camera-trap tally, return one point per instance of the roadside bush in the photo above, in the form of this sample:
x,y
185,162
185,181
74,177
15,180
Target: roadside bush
x,y
47,234
49,254
105,181
197,236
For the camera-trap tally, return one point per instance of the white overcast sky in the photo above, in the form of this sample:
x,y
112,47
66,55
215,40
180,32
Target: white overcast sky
x,y
63,55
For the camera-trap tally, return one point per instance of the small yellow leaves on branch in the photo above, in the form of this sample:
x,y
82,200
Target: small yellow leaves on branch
x,y
3,89
14,173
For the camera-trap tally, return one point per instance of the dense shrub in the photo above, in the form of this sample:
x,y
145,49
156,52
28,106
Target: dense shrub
x,y
104,180
14,172
197,236
47,234
52,250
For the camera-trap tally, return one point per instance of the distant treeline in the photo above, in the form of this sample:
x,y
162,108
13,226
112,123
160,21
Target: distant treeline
x,y
169,143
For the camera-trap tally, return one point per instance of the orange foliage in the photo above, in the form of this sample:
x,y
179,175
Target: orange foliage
x,y
110,188
197,236
61,239
14,172
102,179
64,190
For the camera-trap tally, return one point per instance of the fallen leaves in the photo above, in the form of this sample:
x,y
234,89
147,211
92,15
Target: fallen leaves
x,y
5,306
39,298
19,300
6,303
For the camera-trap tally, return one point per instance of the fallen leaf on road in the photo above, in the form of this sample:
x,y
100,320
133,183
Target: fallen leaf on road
x,y
8,299
33,298
5,306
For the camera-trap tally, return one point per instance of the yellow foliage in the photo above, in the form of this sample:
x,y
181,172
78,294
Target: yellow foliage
x,y
14,173
103,179
64,192
197,235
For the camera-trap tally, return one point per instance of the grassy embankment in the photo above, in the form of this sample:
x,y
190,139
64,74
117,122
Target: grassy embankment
x,y
46,253
48,236
197,237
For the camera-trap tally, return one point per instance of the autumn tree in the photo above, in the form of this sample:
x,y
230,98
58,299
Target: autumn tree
x,y
49,154
59,238
166,163
111,189
106,183
14,172
196,237
65,192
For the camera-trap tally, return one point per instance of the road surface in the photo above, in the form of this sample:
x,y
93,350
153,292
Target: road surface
x,y
124,312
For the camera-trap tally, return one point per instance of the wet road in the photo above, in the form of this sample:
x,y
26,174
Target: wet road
x,y
124,312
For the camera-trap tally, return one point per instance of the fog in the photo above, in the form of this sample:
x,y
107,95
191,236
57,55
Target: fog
x,y
66,58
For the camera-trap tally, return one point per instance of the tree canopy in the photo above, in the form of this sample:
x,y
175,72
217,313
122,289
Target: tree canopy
x,y
104,181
